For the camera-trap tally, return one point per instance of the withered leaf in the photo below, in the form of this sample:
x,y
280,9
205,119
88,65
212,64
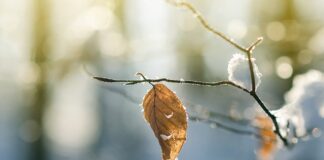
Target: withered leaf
x,y
268,137
167,118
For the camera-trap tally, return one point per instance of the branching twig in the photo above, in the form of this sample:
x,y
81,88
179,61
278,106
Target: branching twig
x,y
216,115
205,24
254,44
211,114
132,99
247,50
199,83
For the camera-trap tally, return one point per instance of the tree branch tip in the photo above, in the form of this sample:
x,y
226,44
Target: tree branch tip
x,y
100,78
144,78
103,79
140,74
260,39
254,44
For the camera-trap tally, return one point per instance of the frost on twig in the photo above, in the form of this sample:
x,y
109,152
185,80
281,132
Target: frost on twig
x,y
239,71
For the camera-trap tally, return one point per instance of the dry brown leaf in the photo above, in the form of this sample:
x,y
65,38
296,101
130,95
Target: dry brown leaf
x,y
167,118
268,137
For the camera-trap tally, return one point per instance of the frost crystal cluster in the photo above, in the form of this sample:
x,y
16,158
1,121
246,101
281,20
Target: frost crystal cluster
x,y
305,102
239,71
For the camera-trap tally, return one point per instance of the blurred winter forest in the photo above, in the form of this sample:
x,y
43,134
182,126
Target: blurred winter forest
x,y
50,109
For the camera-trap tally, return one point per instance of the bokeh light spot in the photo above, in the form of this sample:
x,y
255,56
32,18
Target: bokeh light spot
x,y
276,31
283,67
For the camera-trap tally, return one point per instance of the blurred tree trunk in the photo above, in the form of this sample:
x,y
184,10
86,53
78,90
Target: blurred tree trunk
x,y
39,56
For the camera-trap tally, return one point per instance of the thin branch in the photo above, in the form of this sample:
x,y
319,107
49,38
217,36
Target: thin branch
x,y
200,83
248,51
142,75
256,97
205,24
191,82
273,118
251,68
254,44
247,132
225,127
211,114
216,115
132,99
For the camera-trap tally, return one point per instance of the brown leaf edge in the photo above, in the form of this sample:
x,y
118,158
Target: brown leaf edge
x,y
168,119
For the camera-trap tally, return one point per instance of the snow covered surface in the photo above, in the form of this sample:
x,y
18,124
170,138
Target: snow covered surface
x,y
304,109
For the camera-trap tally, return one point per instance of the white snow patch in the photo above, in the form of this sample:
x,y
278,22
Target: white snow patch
x,y
304,103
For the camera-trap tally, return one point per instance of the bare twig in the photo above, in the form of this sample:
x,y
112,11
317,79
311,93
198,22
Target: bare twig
x,y
211,114
254,44
249,54
248,51
218,124
215,122
205,24
144,78
225,127
199,83
273,118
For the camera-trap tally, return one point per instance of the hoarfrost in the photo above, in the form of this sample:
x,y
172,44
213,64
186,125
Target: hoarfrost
x,y
239,71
